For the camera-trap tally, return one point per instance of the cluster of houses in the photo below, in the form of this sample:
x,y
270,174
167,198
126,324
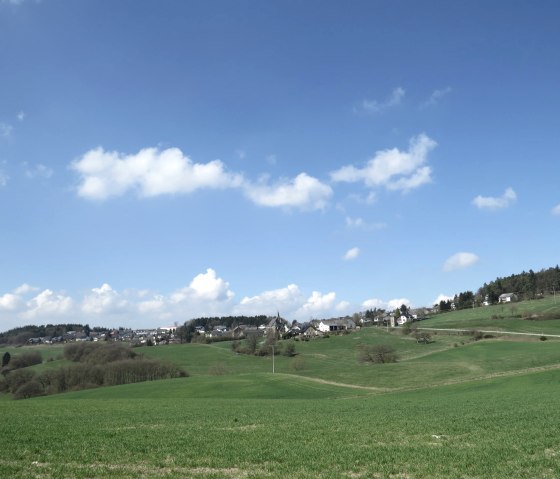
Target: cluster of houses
x,y
281,327
275,324
311,329
140,336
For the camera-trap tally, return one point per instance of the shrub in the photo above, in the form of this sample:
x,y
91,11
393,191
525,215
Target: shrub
x,y
98,353
29,389
24,360
377,354
423,337
297,364
290,350
16,379
218,369
543,338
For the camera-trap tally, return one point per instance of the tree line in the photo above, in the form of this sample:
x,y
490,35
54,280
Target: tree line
x,y
95,365
526,285
187,331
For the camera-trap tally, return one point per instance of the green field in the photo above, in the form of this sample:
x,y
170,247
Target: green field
x,y
455,408
505,317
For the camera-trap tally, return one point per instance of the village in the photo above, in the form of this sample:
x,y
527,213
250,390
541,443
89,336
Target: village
x,y
281,327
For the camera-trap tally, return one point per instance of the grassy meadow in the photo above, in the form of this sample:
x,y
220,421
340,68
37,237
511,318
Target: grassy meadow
x,y
454,408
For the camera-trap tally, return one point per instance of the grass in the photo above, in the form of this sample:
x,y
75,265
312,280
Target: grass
x,y
486,409
504,317
501,428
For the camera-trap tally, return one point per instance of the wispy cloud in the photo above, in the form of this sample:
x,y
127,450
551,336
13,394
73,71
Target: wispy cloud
x,y
3,175
460,261
20,116
351,254
556,210
435,97
359,223
374,106
393,169
37,171
6,130
496,203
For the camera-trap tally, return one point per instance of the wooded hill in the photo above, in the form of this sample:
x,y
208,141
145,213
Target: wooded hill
x,y
527,285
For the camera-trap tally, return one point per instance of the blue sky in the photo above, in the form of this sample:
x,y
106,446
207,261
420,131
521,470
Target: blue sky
x,y
166,160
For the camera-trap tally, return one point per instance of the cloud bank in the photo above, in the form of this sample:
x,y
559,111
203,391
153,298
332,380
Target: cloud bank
x,y
206,294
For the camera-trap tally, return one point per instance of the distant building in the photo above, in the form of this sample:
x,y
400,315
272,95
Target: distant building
x,y
507,298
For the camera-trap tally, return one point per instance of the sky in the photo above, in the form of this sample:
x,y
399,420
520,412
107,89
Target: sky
x,y
161,161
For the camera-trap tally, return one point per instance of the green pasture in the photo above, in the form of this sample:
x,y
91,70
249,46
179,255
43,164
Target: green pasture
x,y
454,408
450,357
504,317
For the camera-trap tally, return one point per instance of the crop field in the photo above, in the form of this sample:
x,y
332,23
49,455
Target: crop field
x,y
454,408
262,426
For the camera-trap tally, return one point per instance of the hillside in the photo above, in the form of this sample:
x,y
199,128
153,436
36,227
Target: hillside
x,y
438,412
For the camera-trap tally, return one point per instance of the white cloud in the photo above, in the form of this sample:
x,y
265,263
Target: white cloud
x,y
20,116
460,261
150,172
317,303
352,253
103,300
284,300
496,203
48,304
24,289
394,169
390,305
556,210
374,303
157,304
205,286
6,130
397,303
304,192
9,302
359,223
442,297
37,171
374,106
436,96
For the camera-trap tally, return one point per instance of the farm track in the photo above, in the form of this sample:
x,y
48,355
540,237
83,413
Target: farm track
x,y
513,333
484,377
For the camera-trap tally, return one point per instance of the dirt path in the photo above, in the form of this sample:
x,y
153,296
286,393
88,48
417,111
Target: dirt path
x,y
484,377
514,333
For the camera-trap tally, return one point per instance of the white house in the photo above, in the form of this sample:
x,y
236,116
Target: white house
x,y
402,320
507,298
332,325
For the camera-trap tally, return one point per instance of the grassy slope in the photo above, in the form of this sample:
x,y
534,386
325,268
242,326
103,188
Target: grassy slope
x,y
248,423
504,320
502,428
